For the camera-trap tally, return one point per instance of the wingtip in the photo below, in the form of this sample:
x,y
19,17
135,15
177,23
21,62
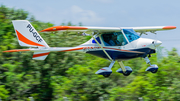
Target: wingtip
x,y
169,27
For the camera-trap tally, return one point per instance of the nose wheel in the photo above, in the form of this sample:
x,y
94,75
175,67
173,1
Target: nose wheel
x,y
151,68
154,71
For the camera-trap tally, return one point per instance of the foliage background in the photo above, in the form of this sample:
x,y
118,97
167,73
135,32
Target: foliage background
x,y
72,74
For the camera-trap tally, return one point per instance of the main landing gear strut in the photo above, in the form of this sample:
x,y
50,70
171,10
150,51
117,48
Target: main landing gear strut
x,y
106,71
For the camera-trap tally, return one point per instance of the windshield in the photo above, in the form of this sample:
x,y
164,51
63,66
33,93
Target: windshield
x,y
114,39
131,34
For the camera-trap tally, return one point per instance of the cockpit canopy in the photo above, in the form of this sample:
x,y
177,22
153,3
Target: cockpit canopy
x,y
121,38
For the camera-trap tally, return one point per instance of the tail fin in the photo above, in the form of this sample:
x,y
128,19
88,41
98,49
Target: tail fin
x,y
27,35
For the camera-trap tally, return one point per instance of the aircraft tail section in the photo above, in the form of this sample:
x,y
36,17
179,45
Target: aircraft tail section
x,y
27,34
29,37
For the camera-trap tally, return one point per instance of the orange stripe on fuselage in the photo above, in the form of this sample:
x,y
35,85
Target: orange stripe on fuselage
x,y
73,49
41,54
58,28
99,47
27,41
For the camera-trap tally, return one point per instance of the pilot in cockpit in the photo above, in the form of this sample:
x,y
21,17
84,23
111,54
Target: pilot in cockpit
x,y
113,41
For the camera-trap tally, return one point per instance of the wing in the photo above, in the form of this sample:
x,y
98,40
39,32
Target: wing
x,y
106,29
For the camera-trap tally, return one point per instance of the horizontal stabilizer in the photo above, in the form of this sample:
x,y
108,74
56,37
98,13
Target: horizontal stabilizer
x,y
17,50
40,55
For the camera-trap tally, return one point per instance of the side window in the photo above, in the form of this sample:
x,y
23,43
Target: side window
x,y
106,38
121,38
113,39
93,41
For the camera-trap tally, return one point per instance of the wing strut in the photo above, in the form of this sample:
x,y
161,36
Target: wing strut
x,y
101,46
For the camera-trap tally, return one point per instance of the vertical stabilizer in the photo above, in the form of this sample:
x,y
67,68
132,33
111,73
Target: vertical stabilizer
x,y
27,34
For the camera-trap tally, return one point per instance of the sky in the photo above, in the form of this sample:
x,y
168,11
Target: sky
x,y
109,13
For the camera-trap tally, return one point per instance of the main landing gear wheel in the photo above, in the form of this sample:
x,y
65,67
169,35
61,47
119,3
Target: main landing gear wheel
x,y
126,73
106,75
106,71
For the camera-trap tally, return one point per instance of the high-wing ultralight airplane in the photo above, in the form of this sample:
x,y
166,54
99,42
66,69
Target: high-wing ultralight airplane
x,y
112,43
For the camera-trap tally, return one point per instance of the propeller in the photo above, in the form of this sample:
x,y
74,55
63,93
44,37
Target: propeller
x,y
159,49
159,53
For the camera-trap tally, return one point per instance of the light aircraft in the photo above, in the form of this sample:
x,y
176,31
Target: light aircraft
x,y
112,43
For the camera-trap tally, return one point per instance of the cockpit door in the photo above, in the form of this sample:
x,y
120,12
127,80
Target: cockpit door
x,y
114,39
131,37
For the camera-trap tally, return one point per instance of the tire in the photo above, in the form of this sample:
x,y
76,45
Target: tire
x,y
126,74
154,71
106,75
